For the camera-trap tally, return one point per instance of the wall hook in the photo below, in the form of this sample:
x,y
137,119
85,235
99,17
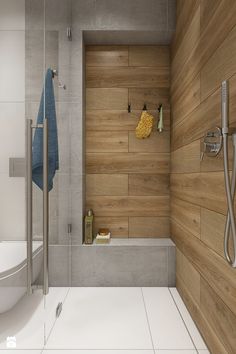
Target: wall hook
x,y
144,107
129,108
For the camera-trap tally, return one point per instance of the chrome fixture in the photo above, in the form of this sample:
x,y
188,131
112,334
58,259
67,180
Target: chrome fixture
x,y
60,84
229,187
58,309
69,33
213,142
29,228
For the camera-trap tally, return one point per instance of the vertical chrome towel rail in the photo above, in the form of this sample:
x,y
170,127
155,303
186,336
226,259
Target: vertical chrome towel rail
x,y
29,204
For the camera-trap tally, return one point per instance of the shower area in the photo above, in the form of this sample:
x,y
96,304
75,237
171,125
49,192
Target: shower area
x,y
103,65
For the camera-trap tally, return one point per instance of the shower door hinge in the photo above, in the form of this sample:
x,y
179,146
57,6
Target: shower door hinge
x,y
69,228
58,309
69,33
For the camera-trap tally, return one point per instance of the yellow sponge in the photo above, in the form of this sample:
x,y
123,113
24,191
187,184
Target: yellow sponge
x,y
145,124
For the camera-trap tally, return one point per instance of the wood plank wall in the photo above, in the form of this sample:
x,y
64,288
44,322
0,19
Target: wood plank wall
x,y
203,54
127,180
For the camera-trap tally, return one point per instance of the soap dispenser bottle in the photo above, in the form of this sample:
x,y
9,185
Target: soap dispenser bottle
x,y
88,227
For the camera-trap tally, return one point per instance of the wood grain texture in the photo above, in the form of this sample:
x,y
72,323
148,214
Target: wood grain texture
x,y
198,68
151,96
186,159
195,125
209,264
183,103
189,275
212,231
131,205
145,184
156,142
106,184
127,76
118,226
200,189
212,339
103,98
127,177
185,11
149,227
187,46
220,66
127,163
187,215
218,315
110,141
109,120
211,36
149,55
107,55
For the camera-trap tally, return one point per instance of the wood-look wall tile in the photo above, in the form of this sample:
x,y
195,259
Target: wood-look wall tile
x,y
187,215
107,55
220,66
127,163
118,226
189,275
186,47
212,339
203,189
110,77
148,55
112,120
129,206
106,184
143,227
156,142
186,159
205,117
208,263
185,11
144,184
212,231
219,316
152,97
108,141
183,103
104,98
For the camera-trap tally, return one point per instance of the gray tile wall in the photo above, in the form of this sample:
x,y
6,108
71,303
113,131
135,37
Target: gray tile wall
x,y
112,265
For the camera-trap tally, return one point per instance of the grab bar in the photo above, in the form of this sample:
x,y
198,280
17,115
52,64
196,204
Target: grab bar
x,y
29,204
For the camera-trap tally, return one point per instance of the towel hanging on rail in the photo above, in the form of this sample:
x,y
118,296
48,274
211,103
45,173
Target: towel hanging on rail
x,y
47,110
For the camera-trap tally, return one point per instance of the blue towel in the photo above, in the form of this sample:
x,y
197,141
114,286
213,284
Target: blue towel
x,y
46,109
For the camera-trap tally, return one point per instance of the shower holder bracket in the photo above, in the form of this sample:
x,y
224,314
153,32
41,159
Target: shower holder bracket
x,y
212,143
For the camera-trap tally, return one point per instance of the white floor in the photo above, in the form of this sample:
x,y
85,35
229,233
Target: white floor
x,y
106,320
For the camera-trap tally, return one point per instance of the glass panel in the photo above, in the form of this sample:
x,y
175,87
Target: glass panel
x,y
57,58
33,39
21,77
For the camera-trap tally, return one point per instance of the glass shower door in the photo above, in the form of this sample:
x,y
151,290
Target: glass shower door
x,y
31,43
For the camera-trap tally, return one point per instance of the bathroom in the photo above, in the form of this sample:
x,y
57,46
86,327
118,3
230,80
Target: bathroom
x,y
122,239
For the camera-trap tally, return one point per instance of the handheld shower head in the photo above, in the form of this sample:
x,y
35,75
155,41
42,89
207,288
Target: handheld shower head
x,y
225,106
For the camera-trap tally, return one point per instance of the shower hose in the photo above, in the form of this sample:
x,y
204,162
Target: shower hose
x,y
230,192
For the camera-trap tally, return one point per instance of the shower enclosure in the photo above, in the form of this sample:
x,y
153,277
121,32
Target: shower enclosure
x,y
35,225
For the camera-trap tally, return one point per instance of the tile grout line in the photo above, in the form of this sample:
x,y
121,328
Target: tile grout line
x,y
149,327
183,320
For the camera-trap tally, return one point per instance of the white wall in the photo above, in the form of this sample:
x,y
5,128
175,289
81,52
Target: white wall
x,y
12,116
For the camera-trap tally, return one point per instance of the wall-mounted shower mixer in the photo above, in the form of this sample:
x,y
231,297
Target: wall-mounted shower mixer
x,y
213,142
